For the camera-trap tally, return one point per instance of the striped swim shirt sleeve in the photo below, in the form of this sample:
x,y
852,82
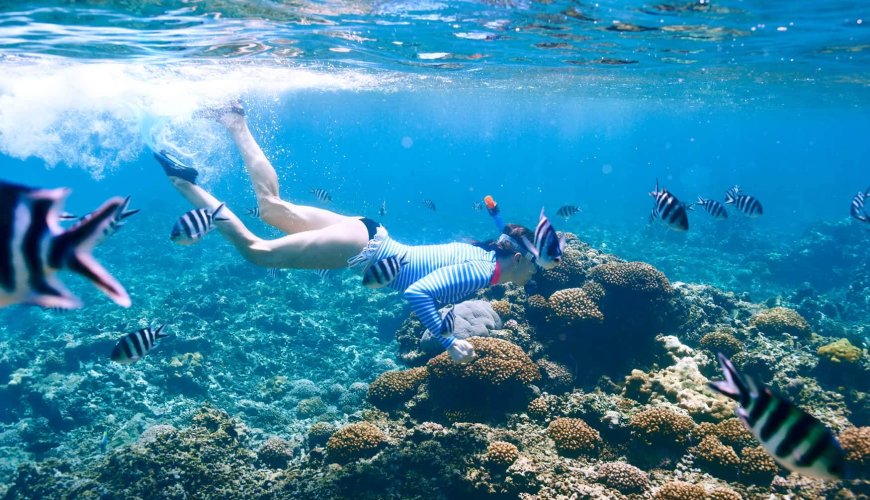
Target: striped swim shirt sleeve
x,y
445,285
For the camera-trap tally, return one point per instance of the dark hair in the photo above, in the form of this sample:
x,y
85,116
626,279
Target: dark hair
x,y
505,248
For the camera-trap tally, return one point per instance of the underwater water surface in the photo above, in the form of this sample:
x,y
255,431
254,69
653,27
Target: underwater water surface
x,y
410,113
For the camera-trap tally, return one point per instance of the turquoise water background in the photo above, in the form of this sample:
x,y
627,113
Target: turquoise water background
x,y
540,104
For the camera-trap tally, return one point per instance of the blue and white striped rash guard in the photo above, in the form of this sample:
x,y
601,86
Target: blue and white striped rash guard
x,y
438,273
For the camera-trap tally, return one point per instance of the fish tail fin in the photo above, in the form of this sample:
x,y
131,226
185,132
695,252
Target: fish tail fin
x,y
158,333
215,215
701,201
72,250
733,385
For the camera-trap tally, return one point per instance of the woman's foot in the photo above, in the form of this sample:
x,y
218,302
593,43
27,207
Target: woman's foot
x,y
174,168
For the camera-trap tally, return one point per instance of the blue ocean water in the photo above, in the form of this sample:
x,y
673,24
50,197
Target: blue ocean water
x,y
540,104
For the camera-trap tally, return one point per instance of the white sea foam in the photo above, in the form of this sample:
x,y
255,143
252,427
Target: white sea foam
x,y
94,115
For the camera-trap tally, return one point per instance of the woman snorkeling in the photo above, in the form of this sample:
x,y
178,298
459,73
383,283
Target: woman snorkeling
x,y
320,239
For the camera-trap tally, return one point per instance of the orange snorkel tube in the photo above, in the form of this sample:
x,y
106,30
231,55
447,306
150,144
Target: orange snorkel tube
x,y
492,208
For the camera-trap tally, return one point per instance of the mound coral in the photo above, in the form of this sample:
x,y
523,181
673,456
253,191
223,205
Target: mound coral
x,y
501,454
502,308
721,341
856,444
624,478
539,408
779,320
732,432
310,407
571,307
275,452
756,465
571,272
557,377
391,388
840,352
498,363
573,436
353,441
661,426
723,493
319,433
720,460
680,490
635,277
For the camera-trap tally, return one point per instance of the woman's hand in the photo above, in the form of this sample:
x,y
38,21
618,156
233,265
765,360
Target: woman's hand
x,y
461,351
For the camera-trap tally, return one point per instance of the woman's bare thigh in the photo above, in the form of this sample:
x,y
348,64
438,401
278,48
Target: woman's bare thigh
x,y
326,248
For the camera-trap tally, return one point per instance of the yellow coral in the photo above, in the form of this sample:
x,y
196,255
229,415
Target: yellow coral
x,y
721,341
756,465
841,351
573,435
573,307
394,387
637,277
498,362
661,425
501,454
354,441
779,320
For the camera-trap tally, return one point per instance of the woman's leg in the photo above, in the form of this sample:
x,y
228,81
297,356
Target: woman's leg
x,y
274,211
326,248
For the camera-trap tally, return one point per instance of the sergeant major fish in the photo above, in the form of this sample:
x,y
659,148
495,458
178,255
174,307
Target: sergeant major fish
x,y
796,439
383,271
133,346
322,195
33,248
567,211
858,210
548,246
117,221
714,208
669,209
448,322
749,205
194,225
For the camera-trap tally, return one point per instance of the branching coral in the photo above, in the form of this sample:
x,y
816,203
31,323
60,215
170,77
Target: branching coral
x,y
354,441
779,320
571,307
391,388
573,436
623,477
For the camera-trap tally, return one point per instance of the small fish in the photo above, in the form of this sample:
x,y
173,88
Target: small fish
x,y
796,439
745,203
33,248
448,322
133,346
568,211
858,209
104,441
273,273
714,208
67,216
117,222
669,209
194,225
477,206
429,204
322,195
324,273
382,272
254,212
382,210
548,246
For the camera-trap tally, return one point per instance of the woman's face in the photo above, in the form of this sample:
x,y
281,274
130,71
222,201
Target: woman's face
x,y
518,270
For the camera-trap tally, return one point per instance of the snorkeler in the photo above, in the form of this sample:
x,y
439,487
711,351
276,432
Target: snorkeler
x,y
322,239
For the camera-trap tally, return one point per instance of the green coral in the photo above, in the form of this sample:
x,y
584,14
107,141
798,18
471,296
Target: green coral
x,y
779,320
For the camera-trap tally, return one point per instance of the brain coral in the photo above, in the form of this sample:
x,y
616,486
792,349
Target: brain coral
x,y
679,490
721,341
391,388
498,362
637,277
501,454
661,426
623,477
779,320
573,436
856,444
354,441
572,307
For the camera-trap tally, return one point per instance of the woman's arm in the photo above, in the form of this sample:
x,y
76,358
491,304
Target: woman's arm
x,y
445,285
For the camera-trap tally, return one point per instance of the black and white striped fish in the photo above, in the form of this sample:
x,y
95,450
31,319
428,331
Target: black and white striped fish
x,y
477,206
714,208
254,212
33,248
796,439
382,272
448,322
382,210
858,210
548,246
429,204
567,211
117,222
747,204
322,195
194,225
134,346
669,209
324,273
273,273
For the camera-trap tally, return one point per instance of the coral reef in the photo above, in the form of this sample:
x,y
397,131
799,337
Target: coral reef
x,y
501,455
680,490
623,477
840,352
276,452
721,341
573,436
572,308
391,388
319,434
856,444
354,441
779,320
